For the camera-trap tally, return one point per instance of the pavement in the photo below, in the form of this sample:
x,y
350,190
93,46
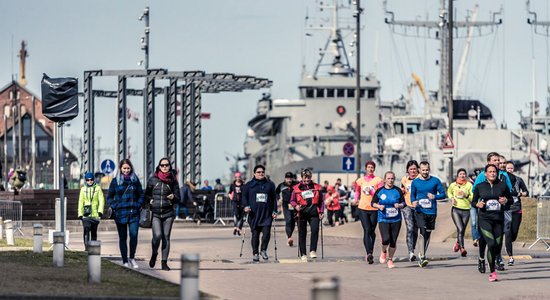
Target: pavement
x,y
226,275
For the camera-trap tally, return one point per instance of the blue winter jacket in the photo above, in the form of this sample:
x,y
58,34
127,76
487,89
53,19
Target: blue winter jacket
x,y
126,198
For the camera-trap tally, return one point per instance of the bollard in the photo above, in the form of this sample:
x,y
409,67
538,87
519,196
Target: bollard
x,y
1,228
189,287
9,233
58,248
94,262
37,238
325,288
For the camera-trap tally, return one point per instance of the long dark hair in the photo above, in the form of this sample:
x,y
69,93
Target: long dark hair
x,y
157,169
125,161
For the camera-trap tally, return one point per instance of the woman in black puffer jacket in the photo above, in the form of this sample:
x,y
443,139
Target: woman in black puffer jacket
x,y
163,193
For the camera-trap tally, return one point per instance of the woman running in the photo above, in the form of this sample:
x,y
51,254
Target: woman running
x,y
513,220
460,193
408,211
366,186
492,197
332,203
389,201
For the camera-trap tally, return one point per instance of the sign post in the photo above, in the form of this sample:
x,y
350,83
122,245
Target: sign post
x,y
348,162
448,146
107,166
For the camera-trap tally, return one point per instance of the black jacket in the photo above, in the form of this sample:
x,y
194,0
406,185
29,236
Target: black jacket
x,y
485,192
259,195
156,193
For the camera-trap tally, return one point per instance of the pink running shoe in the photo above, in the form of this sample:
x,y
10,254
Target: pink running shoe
x,y
493,277
390,264
383,257
456,247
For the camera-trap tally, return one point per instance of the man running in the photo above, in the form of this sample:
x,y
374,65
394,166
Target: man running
x,y
425,191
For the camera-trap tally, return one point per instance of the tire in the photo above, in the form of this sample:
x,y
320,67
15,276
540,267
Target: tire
x,y
209,217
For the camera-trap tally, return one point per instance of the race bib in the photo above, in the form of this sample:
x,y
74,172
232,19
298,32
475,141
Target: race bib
x,y
492,205
261,197
425,203
408,188
391,212
368,190
238,189
516,199
307,194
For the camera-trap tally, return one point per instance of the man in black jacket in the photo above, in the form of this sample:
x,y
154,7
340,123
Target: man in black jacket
x,y
284,189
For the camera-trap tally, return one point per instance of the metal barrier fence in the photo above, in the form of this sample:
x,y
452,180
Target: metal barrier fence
x,y
543,221
223,209
12,210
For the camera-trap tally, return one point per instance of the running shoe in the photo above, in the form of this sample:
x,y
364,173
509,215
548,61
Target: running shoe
x,y
133,263
290,242
370,259
463,252
412,257
500,267
304,257
383,257
493,277
481,265
511,261
313,254
234,231
256,258
390,263
476,242
456,247
423,262
263,254
125,265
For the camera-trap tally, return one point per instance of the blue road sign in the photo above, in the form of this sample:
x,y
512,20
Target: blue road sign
x,y
107,166
348,163
348,149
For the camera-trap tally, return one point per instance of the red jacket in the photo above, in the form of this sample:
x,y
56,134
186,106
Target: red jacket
x,y
299,196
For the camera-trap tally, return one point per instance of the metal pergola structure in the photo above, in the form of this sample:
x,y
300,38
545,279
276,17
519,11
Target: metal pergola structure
x,y
193,84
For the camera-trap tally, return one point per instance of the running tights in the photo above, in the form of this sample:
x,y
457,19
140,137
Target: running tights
x,y
162,229
491,230
255,241
389,233
460,218
511,230
369,219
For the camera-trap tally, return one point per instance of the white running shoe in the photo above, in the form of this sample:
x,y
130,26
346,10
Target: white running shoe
x,y
125,265
313,254
304,257
133,263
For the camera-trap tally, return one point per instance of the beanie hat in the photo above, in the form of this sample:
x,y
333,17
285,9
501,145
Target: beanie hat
x,y
88,175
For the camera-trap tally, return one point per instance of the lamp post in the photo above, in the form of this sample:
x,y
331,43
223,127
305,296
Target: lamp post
x,y
145,38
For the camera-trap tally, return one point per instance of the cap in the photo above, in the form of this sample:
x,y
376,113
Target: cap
x,y
88,175
237,174
289,175
306,173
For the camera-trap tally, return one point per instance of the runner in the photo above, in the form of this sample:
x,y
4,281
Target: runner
x,y
492,197
408,211
284,192
512,217
332,203
389,201
236,196
460,193
366,186
260,204
425,191
306,199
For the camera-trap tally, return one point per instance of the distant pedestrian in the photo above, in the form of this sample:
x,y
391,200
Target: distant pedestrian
x,y
206,187
186,196
236,197
163,193
260,204
284,192
219,187
332,203
126,198
90,207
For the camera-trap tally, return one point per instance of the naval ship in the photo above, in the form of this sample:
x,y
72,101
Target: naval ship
x,y
310,132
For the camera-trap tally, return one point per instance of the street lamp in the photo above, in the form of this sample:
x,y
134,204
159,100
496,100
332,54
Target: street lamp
x,y
145,38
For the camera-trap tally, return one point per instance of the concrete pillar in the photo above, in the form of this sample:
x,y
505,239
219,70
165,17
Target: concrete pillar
x,y
9,233
94,262
58,248
1,228
189,287
37,238
325,288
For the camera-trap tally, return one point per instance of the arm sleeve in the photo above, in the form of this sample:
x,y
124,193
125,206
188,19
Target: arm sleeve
x,y
479,179
475,197
176,192
293,198
148,194
508,181
440,191
470,193
245,196
508,196
522,186
100,199
81,202
275,210
140,194
375,197
413,191
450,191
111,194
357,192
321,203
401,197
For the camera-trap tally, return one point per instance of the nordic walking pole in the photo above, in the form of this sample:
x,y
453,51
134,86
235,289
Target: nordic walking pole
x,y
322,245
298,227
244,235
275,238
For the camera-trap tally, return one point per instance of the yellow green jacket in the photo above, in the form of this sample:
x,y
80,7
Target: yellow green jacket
x,y
461,202
91,195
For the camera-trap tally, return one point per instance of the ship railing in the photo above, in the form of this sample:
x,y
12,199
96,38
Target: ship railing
x,y
543,221
12,210
223,209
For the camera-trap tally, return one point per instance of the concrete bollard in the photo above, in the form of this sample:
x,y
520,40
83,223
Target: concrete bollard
x,y
94,262
9,233
325,288
37,238
189,287
1,228
58,248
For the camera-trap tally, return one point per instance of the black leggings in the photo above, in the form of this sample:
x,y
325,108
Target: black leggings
x,y
255,241
314,223
426,224
511,230
332,215
460,218
290,220
369,219
491,231
90,228
238,219
389,233
162,228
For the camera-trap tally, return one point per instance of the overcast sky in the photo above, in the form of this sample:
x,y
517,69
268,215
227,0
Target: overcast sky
x,y
260,38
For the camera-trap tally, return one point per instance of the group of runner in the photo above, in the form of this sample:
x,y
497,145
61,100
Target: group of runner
x,y
492,203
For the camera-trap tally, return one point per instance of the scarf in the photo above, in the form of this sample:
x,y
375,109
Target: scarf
x,y
369,177
164,177
461,181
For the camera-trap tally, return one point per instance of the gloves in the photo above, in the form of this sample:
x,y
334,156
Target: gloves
x,y
100,215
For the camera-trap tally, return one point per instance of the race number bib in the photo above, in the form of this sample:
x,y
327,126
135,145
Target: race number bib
x,y
307,194
391,212
425,203
516,199
238,189
492,205
408,186
261,197
368,190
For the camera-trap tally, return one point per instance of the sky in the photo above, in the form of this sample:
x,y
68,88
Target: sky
x,y
260,38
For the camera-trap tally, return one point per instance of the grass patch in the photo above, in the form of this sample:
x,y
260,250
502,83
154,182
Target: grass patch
x,y
528,227
19,242
27,273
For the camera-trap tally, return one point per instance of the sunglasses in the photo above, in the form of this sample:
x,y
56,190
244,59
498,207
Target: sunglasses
x,y
89,180
260,172
164,165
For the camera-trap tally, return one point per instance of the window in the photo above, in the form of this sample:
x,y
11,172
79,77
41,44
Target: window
x,y
371,93
320,93
398,127
309,93
341,93
362,93
330,93
413,127
351,93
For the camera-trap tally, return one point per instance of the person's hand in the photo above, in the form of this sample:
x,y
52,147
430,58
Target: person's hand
x,y
397,205
453,201
297,207
381,207
321,216
170,197
414,204
274,215
502,200
100,215
247,209
480,204
431,196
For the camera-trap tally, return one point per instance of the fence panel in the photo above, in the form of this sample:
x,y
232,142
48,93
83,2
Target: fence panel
x,y
12,210
543,221
223,209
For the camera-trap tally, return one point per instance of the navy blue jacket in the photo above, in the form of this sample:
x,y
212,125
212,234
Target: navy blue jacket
x,y
126,198
259,195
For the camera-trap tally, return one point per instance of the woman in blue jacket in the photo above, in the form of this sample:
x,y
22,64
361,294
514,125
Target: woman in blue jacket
x,y
260,204
125,197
